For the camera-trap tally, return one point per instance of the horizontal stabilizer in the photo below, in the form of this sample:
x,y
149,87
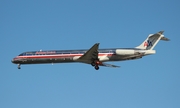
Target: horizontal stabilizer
x,y
160,32
165,39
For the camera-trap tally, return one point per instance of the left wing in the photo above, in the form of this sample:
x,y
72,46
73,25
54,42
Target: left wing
x,y
91,57
92,53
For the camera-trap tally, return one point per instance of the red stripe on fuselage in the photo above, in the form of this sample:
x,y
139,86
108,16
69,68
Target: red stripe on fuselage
x,y
59,56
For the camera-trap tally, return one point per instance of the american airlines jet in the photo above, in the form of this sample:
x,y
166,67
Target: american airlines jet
x,y
93,56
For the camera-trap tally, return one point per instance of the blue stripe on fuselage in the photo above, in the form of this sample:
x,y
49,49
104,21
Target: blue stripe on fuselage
x,y
82,51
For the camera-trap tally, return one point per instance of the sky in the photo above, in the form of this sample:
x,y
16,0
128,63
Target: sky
x,y
31,25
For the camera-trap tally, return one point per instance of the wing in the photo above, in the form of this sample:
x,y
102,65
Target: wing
x,y
109,65
91,54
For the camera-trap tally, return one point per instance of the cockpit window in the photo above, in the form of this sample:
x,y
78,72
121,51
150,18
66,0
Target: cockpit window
x,y
21,54
26,54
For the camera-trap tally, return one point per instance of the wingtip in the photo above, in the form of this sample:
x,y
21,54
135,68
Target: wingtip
x,y
97,43
116,66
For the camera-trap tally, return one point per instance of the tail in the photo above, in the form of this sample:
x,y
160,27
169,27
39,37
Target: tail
x,y
152,40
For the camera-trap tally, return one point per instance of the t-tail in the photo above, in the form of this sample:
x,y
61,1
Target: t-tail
x,y
152,40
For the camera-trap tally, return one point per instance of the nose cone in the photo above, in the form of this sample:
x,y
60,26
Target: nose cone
x,y
13,60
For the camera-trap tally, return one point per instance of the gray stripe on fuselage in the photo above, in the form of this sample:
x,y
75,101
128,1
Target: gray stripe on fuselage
x,y
44,60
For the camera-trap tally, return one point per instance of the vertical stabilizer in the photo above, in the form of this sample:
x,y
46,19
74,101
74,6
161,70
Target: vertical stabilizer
x,y
152,40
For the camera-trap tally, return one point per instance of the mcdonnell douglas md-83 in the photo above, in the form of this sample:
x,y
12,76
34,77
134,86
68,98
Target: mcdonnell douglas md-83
x,y
93,56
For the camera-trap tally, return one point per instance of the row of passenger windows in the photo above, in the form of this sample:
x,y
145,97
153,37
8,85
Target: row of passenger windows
x,y
23,54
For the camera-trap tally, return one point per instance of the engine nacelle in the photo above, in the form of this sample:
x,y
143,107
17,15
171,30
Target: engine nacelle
x,y
124,52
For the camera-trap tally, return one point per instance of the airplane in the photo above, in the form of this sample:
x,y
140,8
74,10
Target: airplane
x,y
93,56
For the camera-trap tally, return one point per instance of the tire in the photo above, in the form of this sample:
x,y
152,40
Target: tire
x,y
96,67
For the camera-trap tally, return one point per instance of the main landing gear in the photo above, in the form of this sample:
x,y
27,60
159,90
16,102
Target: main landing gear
x,y
95,64
96,67
19,66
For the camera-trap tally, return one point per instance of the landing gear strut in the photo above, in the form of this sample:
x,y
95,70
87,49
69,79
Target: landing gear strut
x,y
95,64
19,66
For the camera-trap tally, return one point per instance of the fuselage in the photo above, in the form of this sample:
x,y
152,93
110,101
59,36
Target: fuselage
x,y
94,56
65,56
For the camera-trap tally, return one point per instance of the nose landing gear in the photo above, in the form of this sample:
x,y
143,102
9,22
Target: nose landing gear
x,y
19,66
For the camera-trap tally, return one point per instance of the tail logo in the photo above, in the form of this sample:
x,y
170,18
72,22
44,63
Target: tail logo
x,y
148,43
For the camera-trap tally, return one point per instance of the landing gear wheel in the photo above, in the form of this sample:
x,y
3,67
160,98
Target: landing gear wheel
x,y
96,67
19,66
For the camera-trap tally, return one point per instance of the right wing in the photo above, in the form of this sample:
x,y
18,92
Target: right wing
x,y
108,65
